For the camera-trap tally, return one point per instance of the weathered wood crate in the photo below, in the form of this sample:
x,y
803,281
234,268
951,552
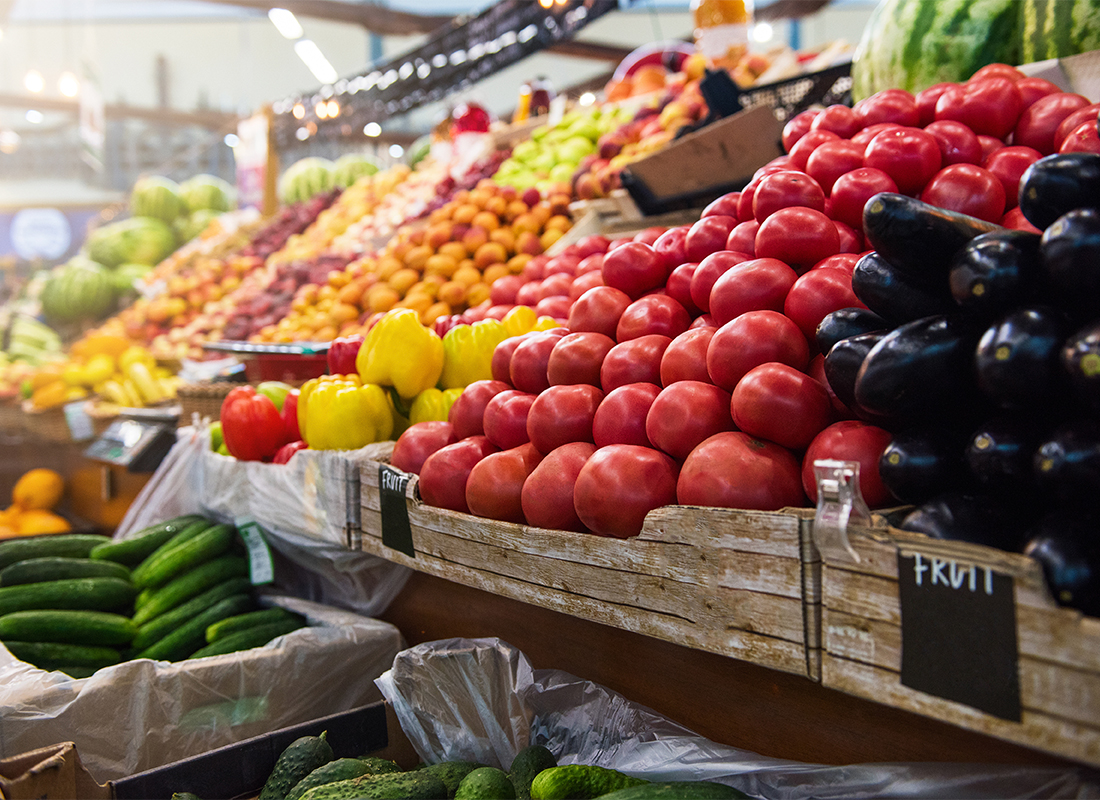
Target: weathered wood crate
x,y
1058,648
737,583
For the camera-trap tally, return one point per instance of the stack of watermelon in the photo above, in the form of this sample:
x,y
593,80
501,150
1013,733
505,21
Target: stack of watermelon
x,y
80,289
305,178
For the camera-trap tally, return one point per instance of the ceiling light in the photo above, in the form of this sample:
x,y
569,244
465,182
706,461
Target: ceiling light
x,y
68,84
587,99
546,3
34,81
298,111
762,32
301,134
333,109
34,116
311,54
231,140
285,22
372,129
9,141
397,150
321,110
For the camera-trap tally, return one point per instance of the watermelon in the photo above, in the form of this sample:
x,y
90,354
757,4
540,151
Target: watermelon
x,y
79,289
1058,28
124,276
912,44
305,178
155,196
187,228
350,167
206,192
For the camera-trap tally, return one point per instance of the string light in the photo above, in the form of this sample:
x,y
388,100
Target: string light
x,y
68,84
34,81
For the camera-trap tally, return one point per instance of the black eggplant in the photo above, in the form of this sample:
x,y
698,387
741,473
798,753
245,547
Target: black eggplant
x,y
1070,256
919,239
920,463
975,518
894,295
1059,183
1067,462
920,370
844,323
996,271
1064,544
1081,362
843,361
1000,452
1017,358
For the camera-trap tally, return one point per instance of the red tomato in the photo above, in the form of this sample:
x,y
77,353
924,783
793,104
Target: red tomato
x,y
527,368
654,313
845,262
596,310
1082,139
444,473
577,358
535,269
742,239
753,339
797,236
724,206
734,470
888,105
528,293
1009,164
1016,221
908,155
547,494
784,189
678,287
503,291
851,240
839,119
996,70
555,285
1040,121
505,420
802,149
989,106
562,264
852,191
864,137
797,127
620,418
501,363
990,145
958,144
671,246
927,99
816,294
703,321
816,370
685,359
649,235
744,202
708,271
582,283
761,283
831,160
418,442
968,189
781,404
634,361
634,268
619,485
684,414
1073,121
1031,89
468,410
777,164
850,440
563,414
707,236
495,484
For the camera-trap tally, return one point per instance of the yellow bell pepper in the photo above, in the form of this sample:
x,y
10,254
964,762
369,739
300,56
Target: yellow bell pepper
x,y
135,354
433,404
468,352
545,323
401,352
343,416
51,395
99,368
307,388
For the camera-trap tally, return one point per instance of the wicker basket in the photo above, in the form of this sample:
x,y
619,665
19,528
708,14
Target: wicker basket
x,y
204,399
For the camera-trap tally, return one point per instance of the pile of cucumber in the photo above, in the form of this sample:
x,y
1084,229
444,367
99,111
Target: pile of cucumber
x,y
76,603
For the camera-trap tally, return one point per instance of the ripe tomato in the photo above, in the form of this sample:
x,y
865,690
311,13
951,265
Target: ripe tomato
x,y
708,271
620,418
505,420
800,153
444,473
744,203
831,160
547,494
418,442
852,191
634,361
563,414
1015,220
839,119
846,262
989,106
927,99
851,239
685,359
707,236
761,283
582,283
734,470
990,145
997,70
864,137
1009,164
968,189
501,364
1039,121
678,287
577,358
850,440
753,339
797,236
888,105
1073,121
742,239
1082,139
468,410
527,368
724,206
684,414
1031,89
649,235
671,245
778,190
495,484
958,144
634,268
781,404
908,155
654,313
596,310
621,483
797,127
816,294
556,307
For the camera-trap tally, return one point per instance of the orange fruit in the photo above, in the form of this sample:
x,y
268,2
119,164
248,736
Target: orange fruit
x,y
38,489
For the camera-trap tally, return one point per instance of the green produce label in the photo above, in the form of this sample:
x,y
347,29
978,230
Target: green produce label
x,y
958,633
396,531
261,569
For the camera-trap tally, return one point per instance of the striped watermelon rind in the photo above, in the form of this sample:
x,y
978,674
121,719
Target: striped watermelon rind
x,y
79,290
1058,28
157,197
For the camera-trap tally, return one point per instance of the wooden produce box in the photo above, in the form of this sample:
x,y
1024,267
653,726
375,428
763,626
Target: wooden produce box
x,y
1044,676
721,580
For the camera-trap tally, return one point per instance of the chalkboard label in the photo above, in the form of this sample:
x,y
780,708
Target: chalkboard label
x,y
958,633
396,532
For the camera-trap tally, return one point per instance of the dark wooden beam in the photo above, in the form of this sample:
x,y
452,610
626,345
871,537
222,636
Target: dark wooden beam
x,y
375,18
215,120
591,50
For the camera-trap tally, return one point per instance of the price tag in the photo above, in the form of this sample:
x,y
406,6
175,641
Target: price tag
x,y
261,569
396,531
80,424
958,633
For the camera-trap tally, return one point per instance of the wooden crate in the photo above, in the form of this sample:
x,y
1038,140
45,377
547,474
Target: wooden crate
x,y
721,580
1058,648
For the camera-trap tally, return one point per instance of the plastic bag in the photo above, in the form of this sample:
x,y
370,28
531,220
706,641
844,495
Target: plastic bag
x,y
143,714
479,700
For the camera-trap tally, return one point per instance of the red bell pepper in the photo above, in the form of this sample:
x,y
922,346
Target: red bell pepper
x,y
251,425
285,452
289,413
342,353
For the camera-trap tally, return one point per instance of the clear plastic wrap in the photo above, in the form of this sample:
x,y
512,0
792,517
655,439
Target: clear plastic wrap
x,y
479,699
143,714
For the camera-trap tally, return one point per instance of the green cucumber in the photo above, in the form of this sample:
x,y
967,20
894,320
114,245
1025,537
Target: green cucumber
x,y
677,790
50,655
189,584
242,622
168,562
300,758
142,598
486,783
55,568
77,672
452,773
68,627
160,626
416,785
135,549
579,782
186,533
188,637
528,763
89,594
341,769
257,636
69,545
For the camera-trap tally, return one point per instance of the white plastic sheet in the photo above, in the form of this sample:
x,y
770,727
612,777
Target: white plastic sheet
x,y
479,700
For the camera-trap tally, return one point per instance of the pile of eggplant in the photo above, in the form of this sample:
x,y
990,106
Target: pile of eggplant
x,y
980,353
